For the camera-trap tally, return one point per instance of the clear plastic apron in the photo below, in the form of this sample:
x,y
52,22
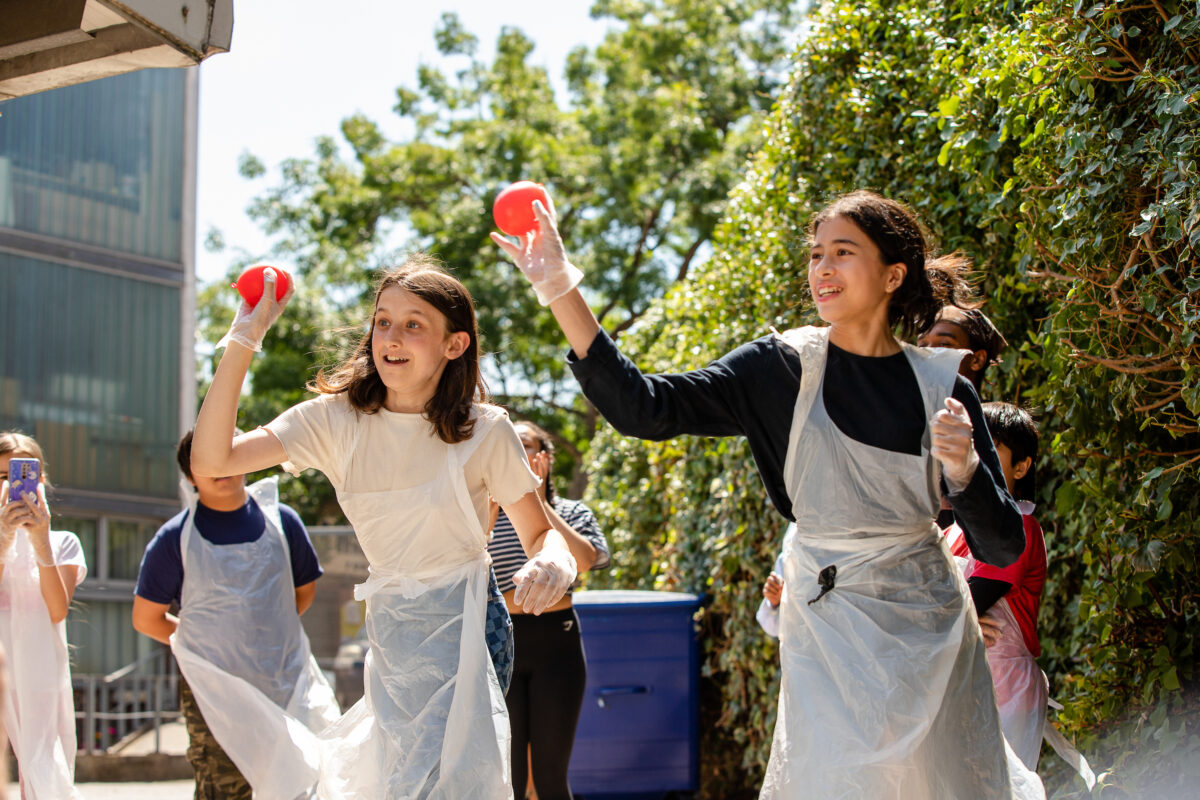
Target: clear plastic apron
x,y
1021,691
241,648
432,722
39,712
886,692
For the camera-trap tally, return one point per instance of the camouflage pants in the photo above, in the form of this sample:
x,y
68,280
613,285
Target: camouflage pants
x,y
216,776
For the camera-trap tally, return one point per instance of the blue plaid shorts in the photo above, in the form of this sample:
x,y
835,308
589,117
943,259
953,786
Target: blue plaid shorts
x,y
498,632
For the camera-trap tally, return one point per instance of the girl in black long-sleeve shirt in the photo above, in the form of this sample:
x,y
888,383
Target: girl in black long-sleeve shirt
x,y
885,689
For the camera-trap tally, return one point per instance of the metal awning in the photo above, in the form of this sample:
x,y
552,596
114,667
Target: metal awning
x,y
47,44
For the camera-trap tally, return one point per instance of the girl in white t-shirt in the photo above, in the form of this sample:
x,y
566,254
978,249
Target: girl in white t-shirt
x,y
39,570
402,431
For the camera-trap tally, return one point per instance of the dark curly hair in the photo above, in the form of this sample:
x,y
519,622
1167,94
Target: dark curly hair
x,y
894,228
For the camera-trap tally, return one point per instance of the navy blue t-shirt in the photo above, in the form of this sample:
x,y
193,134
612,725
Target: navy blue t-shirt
x,y
160,578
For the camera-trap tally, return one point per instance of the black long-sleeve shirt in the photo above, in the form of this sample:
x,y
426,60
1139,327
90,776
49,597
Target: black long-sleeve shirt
x,y
752,392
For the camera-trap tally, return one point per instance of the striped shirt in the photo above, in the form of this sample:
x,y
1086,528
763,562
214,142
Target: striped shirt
x,y
508,555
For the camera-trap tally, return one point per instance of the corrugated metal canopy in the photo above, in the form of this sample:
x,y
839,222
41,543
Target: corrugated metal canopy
x,y
53,43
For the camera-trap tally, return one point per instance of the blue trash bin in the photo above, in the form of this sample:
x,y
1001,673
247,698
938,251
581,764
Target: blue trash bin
x,y
638,731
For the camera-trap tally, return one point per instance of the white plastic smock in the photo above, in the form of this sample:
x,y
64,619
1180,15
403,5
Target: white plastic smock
x,y
1021,691
885,692
39,712
243,651
432,722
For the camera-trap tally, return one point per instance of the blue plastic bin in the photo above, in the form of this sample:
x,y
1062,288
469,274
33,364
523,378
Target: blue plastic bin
x,y
639,727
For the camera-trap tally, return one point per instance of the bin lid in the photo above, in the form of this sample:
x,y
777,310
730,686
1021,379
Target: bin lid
x,y
621,597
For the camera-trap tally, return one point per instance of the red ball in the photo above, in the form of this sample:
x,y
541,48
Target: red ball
x,y
250,284
513,209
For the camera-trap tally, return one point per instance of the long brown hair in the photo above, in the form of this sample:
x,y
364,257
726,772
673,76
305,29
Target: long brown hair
x,y
929,284
461,384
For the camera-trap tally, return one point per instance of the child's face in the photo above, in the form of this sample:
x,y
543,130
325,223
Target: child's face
x,y
411,346
1012,472
846,274
222,494
948,334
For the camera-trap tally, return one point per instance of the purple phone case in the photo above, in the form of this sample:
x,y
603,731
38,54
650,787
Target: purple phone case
x,y
22,477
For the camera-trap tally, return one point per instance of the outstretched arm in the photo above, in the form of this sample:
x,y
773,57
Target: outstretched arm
x,y
215,451
703,402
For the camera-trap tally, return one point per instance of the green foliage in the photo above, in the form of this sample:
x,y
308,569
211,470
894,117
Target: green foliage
x,y
1057,145
639,157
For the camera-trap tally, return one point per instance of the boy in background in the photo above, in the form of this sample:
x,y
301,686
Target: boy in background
x,y
251,571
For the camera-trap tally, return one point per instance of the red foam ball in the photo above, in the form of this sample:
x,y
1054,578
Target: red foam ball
x,y
513,209
250,283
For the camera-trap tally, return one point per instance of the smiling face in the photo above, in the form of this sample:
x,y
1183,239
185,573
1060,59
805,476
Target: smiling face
x,y
410,347
849,282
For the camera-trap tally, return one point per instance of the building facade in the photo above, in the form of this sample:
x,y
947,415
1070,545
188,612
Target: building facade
x,y
97,300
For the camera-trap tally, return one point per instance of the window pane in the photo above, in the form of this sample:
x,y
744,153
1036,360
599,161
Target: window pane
x,y
127,540
99,163
85,529
96,383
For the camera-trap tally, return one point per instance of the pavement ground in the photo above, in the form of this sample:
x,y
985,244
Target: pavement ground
x,y
157,790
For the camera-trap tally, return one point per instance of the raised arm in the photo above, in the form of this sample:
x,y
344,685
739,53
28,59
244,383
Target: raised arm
x,y
707,402
216,452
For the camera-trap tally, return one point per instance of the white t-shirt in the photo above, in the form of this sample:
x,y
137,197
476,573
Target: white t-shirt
x,y
68,552
386,451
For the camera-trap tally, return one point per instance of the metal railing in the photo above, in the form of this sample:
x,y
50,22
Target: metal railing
x,y
139,697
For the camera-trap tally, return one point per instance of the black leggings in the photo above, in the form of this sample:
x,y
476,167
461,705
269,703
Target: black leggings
x,y
549,675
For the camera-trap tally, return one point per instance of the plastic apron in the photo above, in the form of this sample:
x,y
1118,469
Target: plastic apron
x,y
1021,691
885,688
432,722
243,651
39,711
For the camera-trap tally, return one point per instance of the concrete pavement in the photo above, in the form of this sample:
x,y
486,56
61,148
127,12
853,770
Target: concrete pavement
x,y
160,790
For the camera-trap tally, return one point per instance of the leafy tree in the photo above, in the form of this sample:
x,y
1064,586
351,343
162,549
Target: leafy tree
x,y
1057,144
639,158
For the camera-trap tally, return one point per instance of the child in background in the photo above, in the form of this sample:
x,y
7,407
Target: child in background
x,y
768,609
39,570
1010,596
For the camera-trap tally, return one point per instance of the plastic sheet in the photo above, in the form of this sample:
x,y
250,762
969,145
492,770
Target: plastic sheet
x,y
886,691
39,712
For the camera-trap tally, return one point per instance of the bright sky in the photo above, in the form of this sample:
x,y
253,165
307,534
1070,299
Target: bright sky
x,y
298,67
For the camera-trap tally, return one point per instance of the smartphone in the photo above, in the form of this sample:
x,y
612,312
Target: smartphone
x,y
23,476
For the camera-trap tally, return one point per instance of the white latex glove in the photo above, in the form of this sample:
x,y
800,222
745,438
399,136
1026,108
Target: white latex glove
x,y
33,514
952,444
544,579
251,323
541,257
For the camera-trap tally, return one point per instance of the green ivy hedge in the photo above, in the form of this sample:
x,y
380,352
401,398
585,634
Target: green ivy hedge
x,y
1057,144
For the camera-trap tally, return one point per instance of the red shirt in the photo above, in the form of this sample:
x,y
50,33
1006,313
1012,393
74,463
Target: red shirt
x,y
1027,575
